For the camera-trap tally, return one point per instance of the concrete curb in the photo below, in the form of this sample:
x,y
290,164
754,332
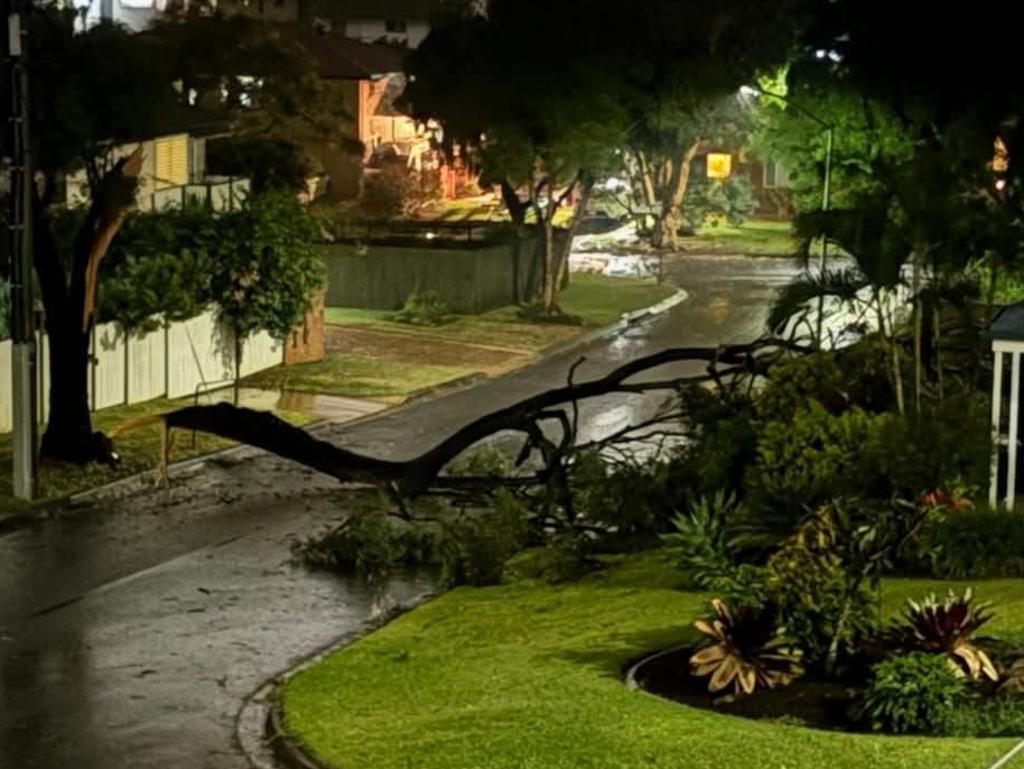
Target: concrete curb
x,y
259,724
144,481
625,321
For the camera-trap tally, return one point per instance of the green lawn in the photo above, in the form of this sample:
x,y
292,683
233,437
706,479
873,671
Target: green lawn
x,y
527,676
756,237
355,376
597,299
139,450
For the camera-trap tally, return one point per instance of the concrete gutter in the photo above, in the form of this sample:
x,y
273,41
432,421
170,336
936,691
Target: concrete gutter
x,y
145,480
259,725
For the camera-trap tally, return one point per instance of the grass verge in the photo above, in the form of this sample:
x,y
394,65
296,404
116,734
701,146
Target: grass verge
x,y
356,376
597,299
527,676
139,450
756,237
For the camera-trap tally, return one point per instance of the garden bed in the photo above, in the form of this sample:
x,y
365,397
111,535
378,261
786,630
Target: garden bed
x,y
806,701
530,675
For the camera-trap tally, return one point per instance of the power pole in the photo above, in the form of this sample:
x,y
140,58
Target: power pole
x,y
23,338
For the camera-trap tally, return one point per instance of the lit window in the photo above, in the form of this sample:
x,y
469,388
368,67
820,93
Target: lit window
x,y
396,26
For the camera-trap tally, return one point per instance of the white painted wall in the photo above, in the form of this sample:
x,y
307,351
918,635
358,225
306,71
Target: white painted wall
x,y
171,361
199,352
147,365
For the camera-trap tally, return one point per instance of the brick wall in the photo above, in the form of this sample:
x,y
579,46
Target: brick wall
x,y
306,343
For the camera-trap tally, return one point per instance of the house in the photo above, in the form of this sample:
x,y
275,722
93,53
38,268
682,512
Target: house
x,y
398,22
769,180
174,165
137,15
370,80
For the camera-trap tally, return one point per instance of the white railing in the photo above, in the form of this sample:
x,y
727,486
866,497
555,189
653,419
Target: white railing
x,y
221,193
175,361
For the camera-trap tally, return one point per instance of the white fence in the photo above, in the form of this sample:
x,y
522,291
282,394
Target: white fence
x,y
175,361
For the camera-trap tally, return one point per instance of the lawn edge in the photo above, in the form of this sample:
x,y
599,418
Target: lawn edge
x,y
259,725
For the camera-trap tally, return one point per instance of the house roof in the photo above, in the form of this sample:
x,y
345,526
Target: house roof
x,y
342,58
1009,323
176,118
415,10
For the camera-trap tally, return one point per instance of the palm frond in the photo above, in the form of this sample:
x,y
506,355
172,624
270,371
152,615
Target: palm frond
x,y
844,284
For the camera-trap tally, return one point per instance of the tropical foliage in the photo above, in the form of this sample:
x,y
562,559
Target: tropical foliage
x,y
746,650
947,627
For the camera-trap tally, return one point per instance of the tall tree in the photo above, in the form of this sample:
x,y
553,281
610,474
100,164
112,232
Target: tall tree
x,y
529,98
868,133
94,92
97,94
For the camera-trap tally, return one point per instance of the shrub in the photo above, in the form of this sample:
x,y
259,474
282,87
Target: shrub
x,y
425,308
370,544
627,499
948,444
475,547
269,163
997,717
814,457
385,192
821,582
702,536
722,447
730,199
978,543
914,692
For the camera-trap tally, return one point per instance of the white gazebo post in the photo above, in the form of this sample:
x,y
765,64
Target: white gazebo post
x,y
1007,339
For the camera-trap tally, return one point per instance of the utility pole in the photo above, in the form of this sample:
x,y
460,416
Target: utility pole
x,y
23,338
825,205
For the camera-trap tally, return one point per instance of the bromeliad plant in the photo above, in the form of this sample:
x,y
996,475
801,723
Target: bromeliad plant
x,y
947,627
747,649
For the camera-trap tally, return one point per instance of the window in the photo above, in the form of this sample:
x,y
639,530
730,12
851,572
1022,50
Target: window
x,y
171,161
396,26
775,175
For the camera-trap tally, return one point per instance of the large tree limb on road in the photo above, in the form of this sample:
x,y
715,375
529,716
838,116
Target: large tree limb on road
x,y
418,475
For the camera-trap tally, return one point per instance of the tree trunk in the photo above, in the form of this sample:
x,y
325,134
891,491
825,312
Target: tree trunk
x,y
69,435
70,302
832,656
238,364
646,180
666,228
918,327
565,252
549,296
516,208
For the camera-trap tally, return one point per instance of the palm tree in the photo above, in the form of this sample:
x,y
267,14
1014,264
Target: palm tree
x,y
877,242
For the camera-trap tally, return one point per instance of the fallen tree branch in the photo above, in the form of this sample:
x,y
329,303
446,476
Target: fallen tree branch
x,y
414,477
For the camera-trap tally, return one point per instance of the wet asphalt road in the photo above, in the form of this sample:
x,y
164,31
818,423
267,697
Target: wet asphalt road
x,y
131,631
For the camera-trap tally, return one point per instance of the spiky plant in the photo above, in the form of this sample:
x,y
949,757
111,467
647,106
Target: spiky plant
x,y
947,627
746,649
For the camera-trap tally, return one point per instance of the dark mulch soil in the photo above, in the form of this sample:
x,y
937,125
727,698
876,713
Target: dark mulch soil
x,y
815,703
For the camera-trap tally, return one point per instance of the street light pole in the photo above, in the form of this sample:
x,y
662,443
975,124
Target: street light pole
x,y
23,359
826,191
825,202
